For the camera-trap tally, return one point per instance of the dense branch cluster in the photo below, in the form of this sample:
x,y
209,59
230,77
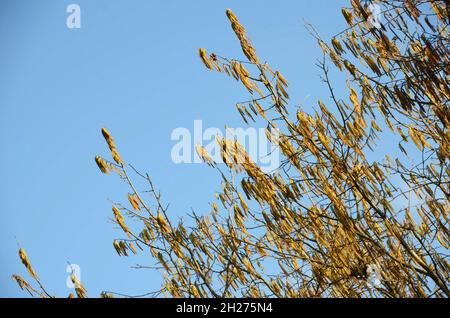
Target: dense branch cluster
x,y
326,224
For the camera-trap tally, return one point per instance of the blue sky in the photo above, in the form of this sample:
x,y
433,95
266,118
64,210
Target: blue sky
x,y
133,67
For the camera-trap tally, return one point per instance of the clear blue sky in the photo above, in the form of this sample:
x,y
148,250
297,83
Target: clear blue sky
x,y
132,67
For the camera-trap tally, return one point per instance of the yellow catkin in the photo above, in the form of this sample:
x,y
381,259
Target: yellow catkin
x,y
26,262
205,58
134,201
120,220
101,164
112,146
23,284
203,154
239,30
79,288
162,223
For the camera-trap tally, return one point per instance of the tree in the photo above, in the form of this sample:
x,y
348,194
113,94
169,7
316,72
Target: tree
x,y
326,223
